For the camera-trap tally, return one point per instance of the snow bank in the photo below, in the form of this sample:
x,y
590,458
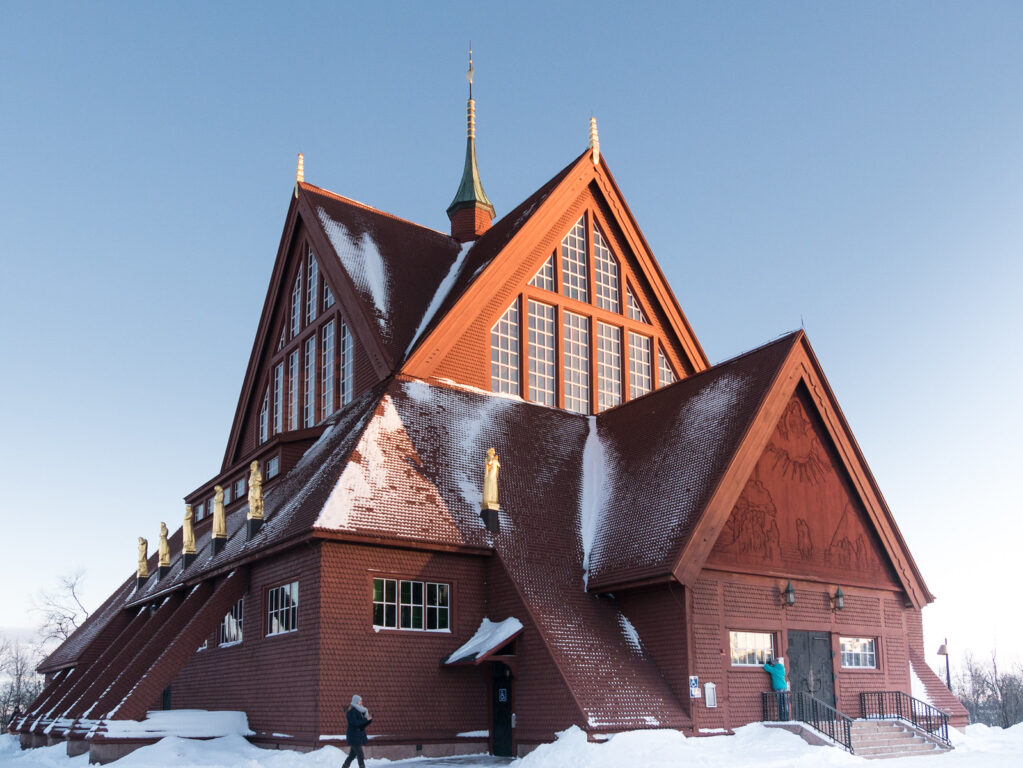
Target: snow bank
x,y
193,723
488,637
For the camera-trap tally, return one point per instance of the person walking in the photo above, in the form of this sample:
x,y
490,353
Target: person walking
x,y
776,669
358,719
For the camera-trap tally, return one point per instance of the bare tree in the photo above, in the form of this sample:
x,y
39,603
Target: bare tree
x,y
60,609
19,682
991,695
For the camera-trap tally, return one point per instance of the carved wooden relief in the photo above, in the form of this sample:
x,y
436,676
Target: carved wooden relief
x,y
796,514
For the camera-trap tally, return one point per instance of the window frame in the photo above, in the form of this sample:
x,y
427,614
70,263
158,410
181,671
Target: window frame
x,y
398,604
772,634
270,610
236,627
873,653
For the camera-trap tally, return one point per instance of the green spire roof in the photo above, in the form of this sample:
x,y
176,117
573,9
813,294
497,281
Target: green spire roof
x,y
470,190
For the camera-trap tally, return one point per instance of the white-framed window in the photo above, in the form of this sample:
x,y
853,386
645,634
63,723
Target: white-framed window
x,y
609,366
665,373
227,494
858,652
278,398
347,364
296,305
282,609
199,508
205,644
544,277
635,311
542,361
640,376
577,362
313,287
605,274
231,625
504,352
264,417
751,649
417,605
328,296
327,370
309,382
574,283
280,341
273,467
239,488
293,389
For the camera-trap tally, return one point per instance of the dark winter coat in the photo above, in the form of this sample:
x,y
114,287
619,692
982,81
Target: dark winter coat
x,y
357,722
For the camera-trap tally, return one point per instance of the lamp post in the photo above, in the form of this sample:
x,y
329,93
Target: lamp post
x,y
943,651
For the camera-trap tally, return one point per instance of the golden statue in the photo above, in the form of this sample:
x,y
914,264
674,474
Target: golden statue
x,y
187,533
219,521
255,492
164,561
490,481
143,571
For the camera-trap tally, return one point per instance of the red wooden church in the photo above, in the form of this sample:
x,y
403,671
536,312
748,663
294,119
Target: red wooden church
x,y
663,525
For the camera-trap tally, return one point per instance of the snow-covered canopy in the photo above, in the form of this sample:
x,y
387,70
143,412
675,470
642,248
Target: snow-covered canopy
x,y
488,638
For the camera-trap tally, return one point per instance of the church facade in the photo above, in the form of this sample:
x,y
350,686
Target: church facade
x,y
648,530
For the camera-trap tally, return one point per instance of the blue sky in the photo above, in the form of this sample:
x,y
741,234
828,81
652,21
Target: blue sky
x,y
856,168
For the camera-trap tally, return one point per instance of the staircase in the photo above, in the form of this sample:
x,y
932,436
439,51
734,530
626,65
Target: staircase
x,y
876,739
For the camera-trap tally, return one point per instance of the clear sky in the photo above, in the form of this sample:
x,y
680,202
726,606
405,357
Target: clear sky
x,y
856,168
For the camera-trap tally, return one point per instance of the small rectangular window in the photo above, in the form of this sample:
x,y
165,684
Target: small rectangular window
x,y
858,652
437,606
200,510
227,494
231,625
328,297
751,649
282,609
273,467
640,365
209,507
415,605
239,488
385,603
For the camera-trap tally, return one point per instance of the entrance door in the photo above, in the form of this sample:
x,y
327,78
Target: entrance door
x,y
502,707
809,665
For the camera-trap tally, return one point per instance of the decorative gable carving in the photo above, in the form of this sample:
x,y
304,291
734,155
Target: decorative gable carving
x,y
796,513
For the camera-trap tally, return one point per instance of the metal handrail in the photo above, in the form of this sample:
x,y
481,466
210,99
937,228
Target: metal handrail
x,y
809,710
882,705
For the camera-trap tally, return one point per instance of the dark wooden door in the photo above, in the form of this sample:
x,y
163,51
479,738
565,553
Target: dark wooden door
x,y
502,707
809,665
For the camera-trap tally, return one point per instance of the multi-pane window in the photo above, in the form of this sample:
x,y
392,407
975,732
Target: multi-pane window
x,y
313,287
293,389
231,624
605,274
264,417
609,366
327,370
640,375
278,397
209,507
858,652
635,311
227,494
239,488
544,277
347,365
542,360
282,609
273,467
411,605
296,305
504,352
577,363
280,341
665,374
309,381
751,649
573,262
328,297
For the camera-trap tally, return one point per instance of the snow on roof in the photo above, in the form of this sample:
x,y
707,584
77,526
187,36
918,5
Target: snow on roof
x,y
184,723
362,260
441,294
488,638
592,493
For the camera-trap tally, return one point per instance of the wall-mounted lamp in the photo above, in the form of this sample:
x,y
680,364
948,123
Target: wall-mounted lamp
x,y
943,651
838,600
788,597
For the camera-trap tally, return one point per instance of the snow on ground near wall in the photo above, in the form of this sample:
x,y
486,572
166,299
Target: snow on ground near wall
x,y
195,723
753,746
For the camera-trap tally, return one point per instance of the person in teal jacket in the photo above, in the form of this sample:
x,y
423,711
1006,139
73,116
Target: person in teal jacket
x,y
776,669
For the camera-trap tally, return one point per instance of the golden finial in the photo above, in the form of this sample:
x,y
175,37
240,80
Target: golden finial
x,y
470,107
594,141
300,171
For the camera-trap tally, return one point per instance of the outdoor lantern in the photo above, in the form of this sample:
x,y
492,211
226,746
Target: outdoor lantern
x,y
788,597
838,601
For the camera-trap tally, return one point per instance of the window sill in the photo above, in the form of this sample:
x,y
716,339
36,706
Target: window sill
x,y
408,631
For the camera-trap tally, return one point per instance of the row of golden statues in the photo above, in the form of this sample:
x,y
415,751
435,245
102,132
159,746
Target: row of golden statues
x,y
219,523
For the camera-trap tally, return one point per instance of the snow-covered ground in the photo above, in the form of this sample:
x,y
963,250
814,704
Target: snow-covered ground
x,y
752,747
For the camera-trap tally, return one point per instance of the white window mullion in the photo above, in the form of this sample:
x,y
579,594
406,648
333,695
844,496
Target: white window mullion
x,y
542,359
327,370
640,376
609,366
576,341
605,278
574,283
309,409
504,352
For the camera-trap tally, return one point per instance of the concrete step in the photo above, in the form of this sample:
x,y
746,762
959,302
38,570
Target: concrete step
x,y
880,739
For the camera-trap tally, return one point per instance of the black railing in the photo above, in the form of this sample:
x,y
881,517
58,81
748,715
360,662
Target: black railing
x,y
885,705
811,711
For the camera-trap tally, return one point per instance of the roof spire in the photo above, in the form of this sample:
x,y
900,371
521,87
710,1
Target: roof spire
x,y
300,171
470,212
594,141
